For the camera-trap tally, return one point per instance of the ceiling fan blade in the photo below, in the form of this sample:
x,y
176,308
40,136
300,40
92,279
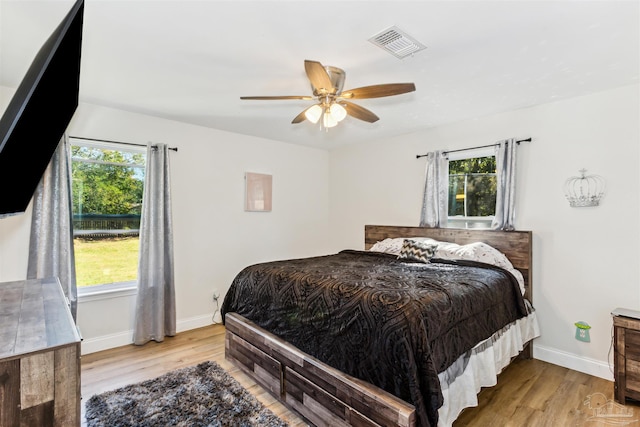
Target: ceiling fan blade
x,y
359,112
318,76
378,91
272,98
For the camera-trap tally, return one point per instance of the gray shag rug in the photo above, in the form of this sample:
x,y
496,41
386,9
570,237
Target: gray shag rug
x,y
202,395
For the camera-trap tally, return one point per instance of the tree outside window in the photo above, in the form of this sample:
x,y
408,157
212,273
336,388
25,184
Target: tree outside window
x,y
472,189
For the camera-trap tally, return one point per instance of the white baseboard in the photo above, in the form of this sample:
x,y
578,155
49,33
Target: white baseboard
x,y
193,323
105,342
597,368
119,339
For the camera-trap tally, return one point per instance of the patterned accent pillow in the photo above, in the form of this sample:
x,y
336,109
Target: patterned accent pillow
x,y
417,250
394,245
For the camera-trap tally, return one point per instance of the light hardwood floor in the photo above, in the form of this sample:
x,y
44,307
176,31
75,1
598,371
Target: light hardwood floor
x,y
529,392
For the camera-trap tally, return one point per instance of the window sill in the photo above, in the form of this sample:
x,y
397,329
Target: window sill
x,y
476,222
101,292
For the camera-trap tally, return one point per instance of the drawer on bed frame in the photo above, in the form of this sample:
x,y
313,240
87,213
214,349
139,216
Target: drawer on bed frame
x,y
264,369
321,394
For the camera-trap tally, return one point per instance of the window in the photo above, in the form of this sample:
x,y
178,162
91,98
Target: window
x,y
472,191
107,187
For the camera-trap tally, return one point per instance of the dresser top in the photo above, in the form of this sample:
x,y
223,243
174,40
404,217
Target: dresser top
x,y
34,315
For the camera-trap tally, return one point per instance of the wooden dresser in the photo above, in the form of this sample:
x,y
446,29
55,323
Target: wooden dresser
x,y
626,359
39,356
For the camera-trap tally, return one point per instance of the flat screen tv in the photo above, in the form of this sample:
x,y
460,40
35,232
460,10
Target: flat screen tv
x,y
39,113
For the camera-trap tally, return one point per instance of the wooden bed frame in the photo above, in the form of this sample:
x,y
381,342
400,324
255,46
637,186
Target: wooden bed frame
x,y
325,396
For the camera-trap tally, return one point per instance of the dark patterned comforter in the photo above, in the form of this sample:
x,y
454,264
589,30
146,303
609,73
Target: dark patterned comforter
x,y
392,323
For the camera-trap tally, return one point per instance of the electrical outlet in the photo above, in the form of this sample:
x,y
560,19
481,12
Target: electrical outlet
x,y
216,318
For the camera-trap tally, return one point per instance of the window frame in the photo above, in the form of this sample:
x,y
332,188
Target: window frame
x,y
106,290
461,221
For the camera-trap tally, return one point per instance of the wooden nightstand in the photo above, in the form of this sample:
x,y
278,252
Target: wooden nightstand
x,y
626,358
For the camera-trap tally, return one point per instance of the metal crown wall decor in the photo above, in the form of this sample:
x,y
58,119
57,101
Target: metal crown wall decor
x,y
584,190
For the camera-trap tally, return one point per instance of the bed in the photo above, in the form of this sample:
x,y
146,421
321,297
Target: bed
x,y
401,334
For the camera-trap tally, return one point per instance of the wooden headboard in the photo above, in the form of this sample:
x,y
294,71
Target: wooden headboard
x,y
516,245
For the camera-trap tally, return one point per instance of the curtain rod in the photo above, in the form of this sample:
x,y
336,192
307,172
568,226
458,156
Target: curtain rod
x,y
473,148
117,142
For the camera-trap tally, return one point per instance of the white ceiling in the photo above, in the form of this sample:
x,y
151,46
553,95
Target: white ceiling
x,y
192,60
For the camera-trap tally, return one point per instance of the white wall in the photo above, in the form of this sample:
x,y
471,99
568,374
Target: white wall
x,y
585,259
214,237
13,247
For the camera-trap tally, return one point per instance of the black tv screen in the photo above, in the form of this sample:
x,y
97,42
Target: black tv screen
x,y
39,113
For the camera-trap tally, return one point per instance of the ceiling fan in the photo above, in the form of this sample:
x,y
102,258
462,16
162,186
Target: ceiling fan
x,y
333,104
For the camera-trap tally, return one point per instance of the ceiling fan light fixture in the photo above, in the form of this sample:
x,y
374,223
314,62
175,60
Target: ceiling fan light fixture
x,y
328,121
314,113
338,112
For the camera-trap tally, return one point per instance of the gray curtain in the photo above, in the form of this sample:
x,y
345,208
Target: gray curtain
x,y
434,201
155,315
51,243
506,185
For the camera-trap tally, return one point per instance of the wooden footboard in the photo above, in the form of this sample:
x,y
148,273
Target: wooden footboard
x,y
321,394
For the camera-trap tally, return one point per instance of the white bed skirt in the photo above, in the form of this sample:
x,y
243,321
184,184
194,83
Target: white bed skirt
x,y
480,367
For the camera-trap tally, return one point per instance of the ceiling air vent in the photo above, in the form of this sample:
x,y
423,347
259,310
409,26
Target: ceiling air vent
x,y
397,42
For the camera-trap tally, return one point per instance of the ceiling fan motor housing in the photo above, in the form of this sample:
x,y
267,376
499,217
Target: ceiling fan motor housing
x,y
337,77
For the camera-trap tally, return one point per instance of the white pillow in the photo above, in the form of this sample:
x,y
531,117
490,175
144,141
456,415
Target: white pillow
x,y
391,246
480,252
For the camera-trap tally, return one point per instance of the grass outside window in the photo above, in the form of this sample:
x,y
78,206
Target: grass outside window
x,y
106,261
